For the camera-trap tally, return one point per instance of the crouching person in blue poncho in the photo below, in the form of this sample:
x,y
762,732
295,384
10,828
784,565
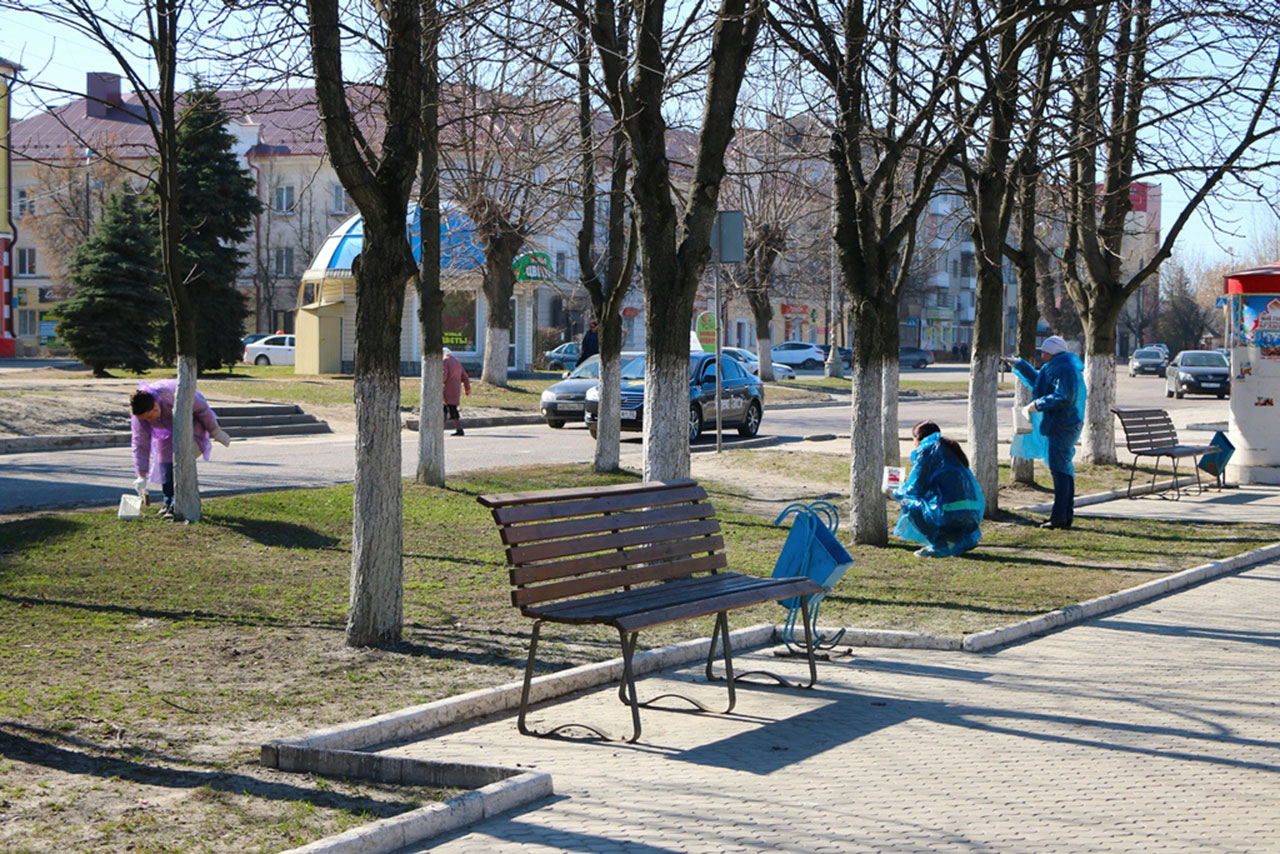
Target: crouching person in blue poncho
x,y
942,504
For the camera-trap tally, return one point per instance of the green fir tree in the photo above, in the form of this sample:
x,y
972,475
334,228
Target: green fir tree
x,y
111,318
217,207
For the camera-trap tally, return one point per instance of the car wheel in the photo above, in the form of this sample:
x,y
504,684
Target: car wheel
x,y
695,422
750,425
811,364
1221,395
593,430
921,365
555,423
1179,394
262,360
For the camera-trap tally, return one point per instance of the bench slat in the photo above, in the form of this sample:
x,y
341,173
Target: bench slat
x,y
596,505
513,535
539,572
605,542
614,580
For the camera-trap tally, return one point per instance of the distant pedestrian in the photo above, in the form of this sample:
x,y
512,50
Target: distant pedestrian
x,y
590,343
455,379
152,436
1056,413
955,352
942,504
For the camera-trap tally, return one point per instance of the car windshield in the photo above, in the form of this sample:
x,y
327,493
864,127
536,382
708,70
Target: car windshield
x,y
588,370
1148,354
1203,360
634,370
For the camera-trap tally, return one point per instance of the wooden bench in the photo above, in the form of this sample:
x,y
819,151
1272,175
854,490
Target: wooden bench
x,y
1150,433
631,556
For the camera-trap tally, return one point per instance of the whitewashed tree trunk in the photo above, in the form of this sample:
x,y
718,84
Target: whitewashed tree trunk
x,y
186,483
1099,440
869,520
608,426
431,421
983,422
1021,470
889,388
666,418
764,349
377,540
497,345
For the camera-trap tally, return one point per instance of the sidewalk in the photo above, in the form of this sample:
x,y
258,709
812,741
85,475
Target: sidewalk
x,y
1151,729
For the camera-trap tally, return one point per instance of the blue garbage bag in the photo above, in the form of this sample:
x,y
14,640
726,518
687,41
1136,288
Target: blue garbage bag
x,y
1059,393
942,504
811,549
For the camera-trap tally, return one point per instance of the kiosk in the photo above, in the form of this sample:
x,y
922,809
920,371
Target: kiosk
x,y
1253,336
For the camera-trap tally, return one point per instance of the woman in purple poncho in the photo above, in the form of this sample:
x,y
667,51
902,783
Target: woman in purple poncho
x,y
152,427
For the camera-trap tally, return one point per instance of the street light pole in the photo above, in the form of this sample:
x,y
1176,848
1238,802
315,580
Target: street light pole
x,y
835,365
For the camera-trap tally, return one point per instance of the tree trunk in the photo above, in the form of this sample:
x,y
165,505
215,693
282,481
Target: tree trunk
x,y
870,522
1099,438
890,382
499,288
984,376
430,297
497,350
186,483
608,426
666,395
1023,470
377,570
760,310
431,419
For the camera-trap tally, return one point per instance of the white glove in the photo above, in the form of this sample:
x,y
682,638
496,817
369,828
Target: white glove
x,y
222,438
140,486
1028,409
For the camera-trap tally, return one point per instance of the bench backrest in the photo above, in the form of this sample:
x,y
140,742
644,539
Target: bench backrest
x,y
572,542
1146,429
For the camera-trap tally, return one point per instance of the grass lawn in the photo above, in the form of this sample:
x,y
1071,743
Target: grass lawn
x,y
142,663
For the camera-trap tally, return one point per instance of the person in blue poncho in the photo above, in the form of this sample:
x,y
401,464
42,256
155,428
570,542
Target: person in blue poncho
x,y
1056,413
942,504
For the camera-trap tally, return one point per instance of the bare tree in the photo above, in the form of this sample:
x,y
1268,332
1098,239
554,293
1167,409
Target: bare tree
x,y
68,196
1153,84
379,178
430,294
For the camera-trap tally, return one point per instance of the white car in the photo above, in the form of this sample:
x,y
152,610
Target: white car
x,y
799,354
752,363
273,350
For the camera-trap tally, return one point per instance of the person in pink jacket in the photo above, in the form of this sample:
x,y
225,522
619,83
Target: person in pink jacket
x,y
455,379
152,440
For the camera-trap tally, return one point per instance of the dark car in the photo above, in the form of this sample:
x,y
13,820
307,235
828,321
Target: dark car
x,y
741,396
914,357
1198,372
565,401
1148,360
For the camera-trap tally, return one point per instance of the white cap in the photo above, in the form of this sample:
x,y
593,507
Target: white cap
x,y
1053,345
446,352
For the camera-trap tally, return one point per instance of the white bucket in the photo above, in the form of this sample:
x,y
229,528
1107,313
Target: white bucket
x,y
1021,423
130,507
892,479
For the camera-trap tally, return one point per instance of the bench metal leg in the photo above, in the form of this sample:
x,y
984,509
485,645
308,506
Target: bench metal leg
x,y
809,646
524,696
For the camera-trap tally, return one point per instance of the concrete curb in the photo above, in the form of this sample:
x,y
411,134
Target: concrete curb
x,y
981,641
74,441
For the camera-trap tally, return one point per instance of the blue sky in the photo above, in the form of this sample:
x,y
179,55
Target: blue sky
x,y
57,59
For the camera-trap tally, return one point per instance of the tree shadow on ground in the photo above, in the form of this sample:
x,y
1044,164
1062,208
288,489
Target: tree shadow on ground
x,y
241,620
269,532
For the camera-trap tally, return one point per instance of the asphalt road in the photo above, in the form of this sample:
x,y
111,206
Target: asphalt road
x,y
89,478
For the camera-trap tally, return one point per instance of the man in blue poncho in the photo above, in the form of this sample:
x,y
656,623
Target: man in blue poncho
x,y
1056,413
942,504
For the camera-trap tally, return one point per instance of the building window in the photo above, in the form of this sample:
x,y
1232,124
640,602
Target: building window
x,y
341,201
26,262
284,262
282,199
26,204
966,265
562,265
27,327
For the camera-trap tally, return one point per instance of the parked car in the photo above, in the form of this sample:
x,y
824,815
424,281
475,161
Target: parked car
x,y
1148,360
254,336
272,350
741,396
1198,372
1163,348
564,401
798,354
846,355
564,357
751,362
914,357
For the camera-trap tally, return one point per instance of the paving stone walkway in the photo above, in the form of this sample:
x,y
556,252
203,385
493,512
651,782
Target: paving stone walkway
x,y
1155,729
